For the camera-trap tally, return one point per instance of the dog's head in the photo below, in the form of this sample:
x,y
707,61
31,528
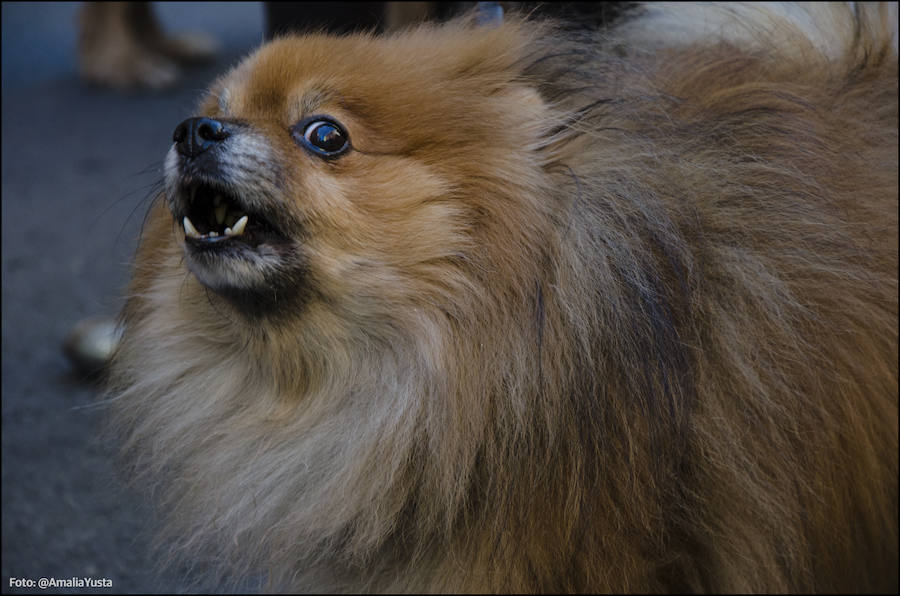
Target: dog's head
x,y
357,170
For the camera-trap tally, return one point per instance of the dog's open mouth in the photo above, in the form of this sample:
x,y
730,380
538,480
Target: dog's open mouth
x,y
234,244
216,218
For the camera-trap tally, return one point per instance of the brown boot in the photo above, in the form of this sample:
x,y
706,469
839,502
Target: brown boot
x,y
121,45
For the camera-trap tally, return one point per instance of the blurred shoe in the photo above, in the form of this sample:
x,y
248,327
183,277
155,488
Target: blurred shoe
x,y
92,342
121,45
188,48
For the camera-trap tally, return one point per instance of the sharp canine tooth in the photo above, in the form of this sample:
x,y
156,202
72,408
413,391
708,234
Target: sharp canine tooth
x,y
189,228
220,213
239,226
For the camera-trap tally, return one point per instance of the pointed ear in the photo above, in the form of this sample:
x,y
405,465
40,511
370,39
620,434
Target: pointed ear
x,y
488,13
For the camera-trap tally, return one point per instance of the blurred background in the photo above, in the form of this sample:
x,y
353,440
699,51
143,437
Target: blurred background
x,y
78,166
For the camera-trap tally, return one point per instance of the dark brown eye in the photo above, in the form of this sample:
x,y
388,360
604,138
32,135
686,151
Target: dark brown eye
x,y
323,137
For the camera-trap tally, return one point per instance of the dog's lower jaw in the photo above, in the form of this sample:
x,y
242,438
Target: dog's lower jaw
x,y
257,284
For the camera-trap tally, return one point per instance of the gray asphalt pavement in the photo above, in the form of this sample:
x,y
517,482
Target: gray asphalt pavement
x,y
78,168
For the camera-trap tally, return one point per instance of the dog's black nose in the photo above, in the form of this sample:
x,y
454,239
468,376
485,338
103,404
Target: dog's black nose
x,y
195,135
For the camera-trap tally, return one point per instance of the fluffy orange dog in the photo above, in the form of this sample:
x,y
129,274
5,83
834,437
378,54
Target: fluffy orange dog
x,y
506,308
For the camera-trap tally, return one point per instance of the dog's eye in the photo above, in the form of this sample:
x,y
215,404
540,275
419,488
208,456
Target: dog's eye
x,y
323,137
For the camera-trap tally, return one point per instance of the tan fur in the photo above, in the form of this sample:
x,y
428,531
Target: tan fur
x,y
578,316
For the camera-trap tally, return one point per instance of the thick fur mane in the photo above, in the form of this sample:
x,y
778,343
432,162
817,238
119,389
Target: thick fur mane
x,y
661,354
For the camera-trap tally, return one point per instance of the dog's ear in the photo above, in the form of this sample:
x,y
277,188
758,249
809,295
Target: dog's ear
x,y
488,13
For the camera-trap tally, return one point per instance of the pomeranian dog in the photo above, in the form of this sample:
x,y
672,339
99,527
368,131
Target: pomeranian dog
x,y
516,307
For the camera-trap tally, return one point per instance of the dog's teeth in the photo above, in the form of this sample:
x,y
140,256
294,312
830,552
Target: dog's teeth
x,y
239,226
189,229
228,232
221,210
213,234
